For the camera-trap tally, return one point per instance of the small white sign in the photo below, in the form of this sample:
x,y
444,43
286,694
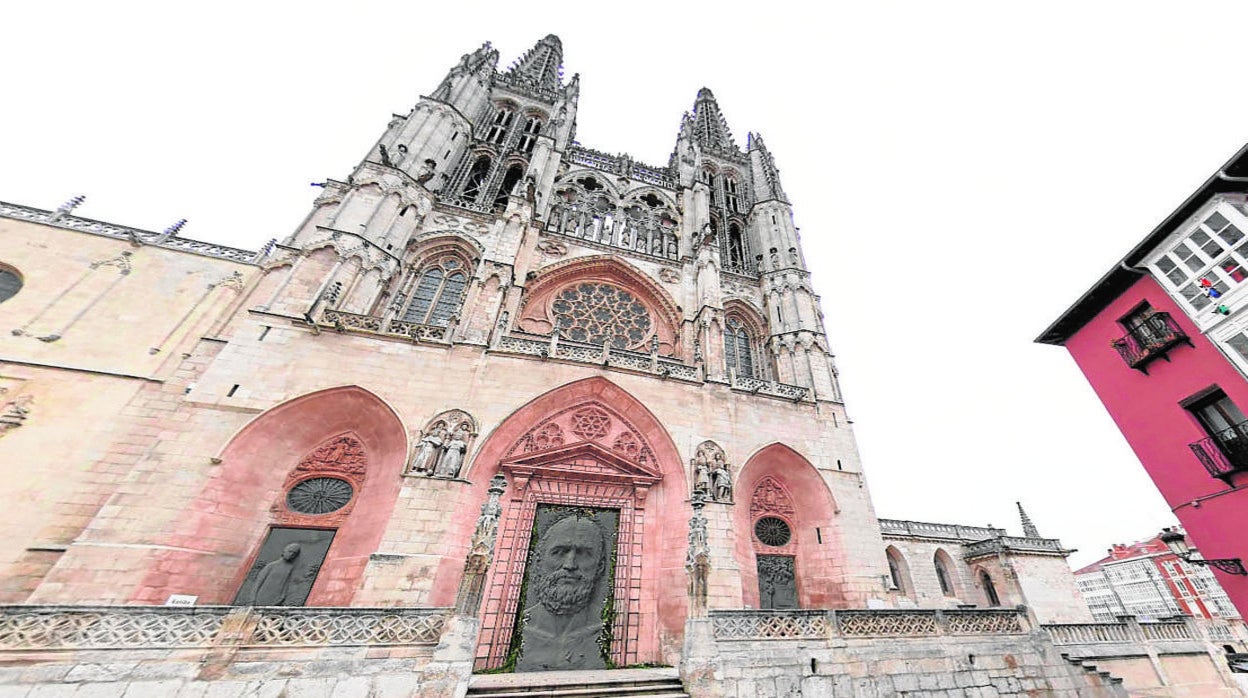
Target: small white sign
x,y
181,600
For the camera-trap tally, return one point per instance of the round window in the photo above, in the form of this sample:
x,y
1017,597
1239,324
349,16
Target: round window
x,y
772,531
319,495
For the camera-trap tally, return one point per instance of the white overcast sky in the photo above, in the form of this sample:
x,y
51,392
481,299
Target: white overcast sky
x,y
960,171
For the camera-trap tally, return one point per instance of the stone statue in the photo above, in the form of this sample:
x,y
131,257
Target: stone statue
x,y
702,475
427,170
562,627
273,584
775,259
385,156
430,448
721,478
453,456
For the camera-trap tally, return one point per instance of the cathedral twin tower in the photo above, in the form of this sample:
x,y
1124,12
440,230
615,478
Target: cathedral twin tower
x,y
491,356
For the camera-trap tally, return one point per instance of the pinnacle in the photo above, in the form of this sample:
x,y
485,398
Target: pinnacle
x,y
705,93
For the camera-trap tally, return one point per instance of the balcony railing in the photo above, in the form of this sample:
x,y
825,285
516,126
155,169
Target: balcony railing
x,y
372,324
1152,339
1225,452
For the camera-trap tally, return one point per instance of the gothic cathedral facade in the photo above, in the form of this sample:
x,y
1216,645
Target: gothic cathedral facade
x,y
576,397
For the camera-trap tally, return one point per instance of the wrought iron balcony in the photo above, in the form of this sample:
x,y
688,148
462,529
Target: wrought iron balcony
x,y
1225,452
1152,339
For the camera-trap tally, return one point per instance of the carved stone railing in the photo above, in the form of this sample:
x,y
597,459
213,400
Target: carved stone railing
x,y
1166,630
623,166
803,624
373,324
922,529
769,624
999,544
580,352
348,626
29,628
121,232
1087,633
796,393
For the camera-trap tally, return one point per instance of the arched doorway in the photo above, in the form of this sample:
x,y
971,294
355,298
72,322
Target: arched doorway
x,y
594,480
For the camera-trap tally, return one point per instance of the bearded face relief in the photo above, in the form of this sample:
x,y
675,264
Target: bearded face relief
x,y
567,584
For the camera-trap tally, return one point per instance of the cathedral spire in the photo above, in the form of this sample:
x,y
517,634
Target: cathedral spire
x,y
709,126
542,65
766,174
1029,528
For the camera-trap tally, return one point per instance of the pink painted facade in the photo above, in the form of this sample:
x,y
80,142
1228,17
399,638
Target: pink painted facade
x,y
1149,409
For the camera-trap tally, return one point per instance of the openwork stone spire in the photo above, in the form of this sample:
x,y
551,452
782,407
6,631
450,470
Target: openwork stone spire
x,y
542,65
766,175
709,126
1029,528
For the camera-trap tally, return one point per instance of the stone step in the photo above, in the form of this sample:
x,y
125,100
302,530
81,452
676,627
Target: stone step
x,y
622,683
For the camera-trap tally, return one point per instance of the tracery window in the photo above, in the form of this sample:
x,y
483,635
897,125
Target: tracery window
x,y
737,351
438,293
502,124
730,195
514,173
528,137
596,312
10,283
476,177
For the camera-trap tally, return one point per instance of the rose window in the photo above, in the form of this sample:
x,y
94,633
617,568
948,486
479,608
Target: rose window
x,y
772,531
319,495
598,313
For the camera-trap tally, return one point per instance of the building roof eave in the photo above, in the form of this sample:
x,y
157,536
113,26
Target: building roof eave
x,y
1229,177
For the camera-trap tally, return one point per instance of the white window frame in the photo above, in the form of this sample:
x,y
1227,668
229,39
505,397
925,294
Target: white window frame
x,y
1197,241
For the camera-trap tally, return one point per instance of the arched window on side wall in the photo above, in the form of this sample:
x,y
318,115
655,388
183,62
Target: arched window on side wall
x,y
10,283
438,293
990,589
943,574
738,351
898,570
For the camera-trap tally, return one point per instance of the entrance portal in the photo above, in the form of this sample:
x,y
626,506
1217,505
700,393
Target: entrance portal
x,y
567,606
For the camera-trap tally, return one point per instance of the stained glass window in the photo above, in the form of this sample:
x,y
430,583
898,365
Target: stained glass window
x,y
438,294
598,313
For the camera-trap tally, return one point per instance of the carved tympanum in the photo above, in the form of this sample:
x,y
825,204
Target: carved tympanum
x,y
344,454
770,497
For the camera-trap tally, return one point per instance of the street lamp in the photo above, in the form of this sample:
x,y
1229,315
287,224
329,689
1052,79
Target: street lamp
x,y
1177,543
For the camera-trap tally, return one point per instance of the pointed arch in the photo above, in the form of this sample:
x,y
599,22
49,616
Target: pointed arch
x,y
899,571
604,462
987,587
536,314
572,177
816,534
946,573
258,465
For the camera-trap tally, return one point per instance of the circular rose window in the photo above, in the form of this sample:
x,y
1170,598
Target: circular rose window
x,y
319,495
772,531
598,313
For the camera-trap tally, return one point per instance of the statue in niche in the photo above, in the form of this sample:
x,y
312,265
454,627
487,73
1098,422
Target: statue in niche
x,y
701,475
430,449
427,169
717,483
721,478
453,453
775,259
567,575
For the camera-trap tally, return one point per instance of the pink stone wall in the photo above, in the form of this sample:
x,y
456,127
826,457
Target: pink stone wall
x,y
1146,409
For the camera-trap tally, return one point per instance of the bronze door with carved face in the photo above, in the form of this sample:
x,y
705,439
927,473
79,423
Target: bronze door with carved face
x,y
566,604
286,568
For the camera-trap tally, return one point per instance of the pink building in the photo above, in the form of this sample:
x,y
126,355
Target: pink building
x,y
1159,337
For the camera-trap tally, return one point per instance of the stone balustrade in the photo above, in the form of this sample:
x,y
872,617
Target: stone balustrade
x,y
27,628
758,386
135,235
765,624
1000,544
373,324
598,355
922,529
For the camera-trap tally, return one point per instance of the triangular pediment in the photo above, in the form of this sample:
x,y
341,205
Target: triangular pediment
x,y
584,459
